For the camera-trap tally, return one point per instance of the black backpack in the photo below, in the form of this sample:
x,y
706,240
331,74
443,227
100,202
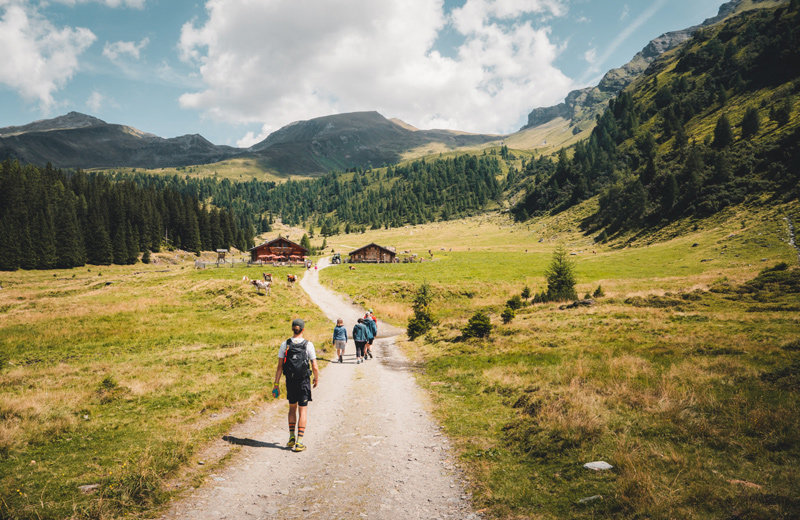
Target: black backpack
x,y
295,362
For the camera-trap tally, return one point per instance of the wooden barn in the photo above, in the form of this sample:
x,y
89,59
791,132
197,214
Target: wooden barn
x,y
372,253
278,250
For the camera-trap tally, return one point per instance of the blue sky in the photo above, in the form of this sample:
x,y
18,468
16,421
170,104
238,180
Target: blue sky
x,y
236,70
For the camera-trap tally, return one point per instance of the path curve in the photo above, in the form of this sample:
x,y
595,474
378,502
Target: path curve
x,y
374,450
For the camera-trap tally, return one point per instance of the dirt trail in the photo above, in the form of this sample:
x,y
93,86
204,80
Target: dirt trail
x,y
374,451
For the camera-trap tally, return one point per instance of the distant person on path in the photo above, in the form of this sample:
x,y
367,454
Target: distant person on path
x,y
372,325
360,337
339,338
297,360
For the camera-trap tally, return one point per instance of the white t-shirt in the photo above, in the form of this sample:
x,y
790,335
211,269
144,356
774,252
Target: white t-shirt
x,y
312,354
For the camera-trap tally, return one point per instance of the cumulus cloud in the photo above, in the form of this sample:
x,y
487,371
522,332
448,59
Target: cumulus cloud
x,y
38,58
114,50
286,60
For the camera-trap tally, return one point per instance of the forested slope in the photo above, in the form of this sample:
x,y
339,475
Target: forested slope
x,y
708,125
55,219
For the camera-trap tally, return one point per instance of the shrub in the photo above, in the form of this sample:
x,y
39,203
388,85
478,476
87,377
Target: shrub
x,y
508,315
423,319
514,303
146,256
526,292
478,326
599,293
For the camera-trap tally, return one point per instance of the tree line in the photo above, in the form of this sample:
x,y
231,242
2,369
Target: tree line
x,y
416,193
50,218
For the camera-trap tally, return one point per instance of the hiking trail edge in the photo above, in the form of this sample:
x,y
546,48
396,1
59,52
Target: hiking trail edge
x,y
374,450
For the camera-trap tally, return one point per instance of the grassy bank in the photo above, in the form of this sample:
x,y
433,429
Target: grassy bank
x,y
117,375
684,377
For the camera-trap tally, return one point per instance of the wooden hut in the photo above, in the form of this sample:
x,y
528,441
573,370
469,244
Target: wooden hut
x,y
372,253
278,250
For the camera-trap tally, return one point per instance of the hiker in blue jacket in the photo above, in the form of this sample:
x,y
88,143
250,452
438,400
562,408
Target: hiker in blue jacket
x,y
372,325
339,338
360,338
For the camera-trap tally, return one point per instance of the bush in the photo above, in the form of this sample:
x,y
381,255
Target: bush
x,y
515,302
599,293
526,292
478,326
146,256
508,315
423,319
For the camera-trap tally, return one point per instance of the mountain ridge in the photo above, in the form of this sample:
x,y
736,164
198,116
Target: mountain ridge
x,y
581,105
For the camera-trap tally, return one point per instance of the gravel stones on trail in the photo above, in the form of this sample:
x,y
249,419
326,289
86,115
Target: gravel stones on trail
x,y
374,451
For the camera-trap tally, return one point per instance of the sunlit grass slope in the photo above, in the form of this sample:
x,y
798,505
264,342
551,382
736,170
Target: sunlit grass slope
x,y
684,376
237,170
117,375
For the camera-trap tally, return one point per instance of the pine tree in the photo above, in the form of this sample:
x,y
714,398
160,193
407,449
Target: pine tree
x,y
560,276
751,123
119,246
723,133
423,319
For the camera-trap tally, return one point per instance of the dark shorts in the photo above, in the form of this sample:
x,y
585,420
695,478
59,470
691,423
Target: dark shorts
x,y
298,391
360,348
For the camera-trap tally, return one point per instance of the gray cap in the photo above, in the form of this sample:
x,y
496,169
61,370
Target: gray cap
x,y
297,322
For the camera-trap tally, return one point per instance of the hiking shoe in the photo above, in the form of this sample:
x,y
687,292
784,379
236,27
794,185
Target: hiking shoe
x,y
340,359
299,447
291,443
370,353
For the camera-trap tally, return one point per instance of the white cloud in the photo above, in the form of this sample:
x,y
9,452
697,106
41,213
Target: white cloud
x,y
38,58
114,50
590,55
95,101
626,11
136,4
281,61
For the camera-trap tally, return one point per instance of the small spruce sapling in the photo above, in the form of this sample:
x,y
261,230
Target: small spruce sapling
x,y
478,326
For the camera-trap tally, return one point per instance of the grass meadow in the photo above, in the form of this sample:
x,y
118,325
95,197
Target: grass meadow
x,y
685,376
117,375
682,380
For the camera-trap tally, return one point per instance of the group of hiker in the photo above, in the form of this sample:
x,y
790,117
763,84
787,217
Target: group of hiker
x,y
297,360
364,333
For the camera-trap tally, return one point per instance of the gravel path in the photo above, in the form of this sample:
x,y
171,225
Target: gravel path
x,y
374,451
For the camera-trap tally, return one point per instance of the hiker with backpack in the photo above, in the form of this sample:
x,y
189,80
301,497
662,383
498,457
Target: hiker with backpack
x,y
372,325
297,360
339,338
360,338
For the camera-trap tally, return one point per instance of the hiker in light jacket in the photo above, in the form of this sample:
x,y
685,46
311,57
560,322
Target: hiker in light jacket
x,y
339,338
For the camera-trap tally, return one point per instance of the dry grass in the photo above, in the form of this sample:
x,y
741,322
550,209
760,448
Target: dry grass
x,y
107,370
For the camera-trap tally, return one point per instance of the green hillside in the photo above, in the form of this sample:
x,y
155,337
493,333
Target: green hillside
x,y
708,125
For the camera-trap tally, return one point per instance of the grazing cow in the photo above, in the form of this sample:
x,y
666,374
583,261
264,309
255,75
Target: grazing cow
x,y
291,278
258,284
267,277
352,268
